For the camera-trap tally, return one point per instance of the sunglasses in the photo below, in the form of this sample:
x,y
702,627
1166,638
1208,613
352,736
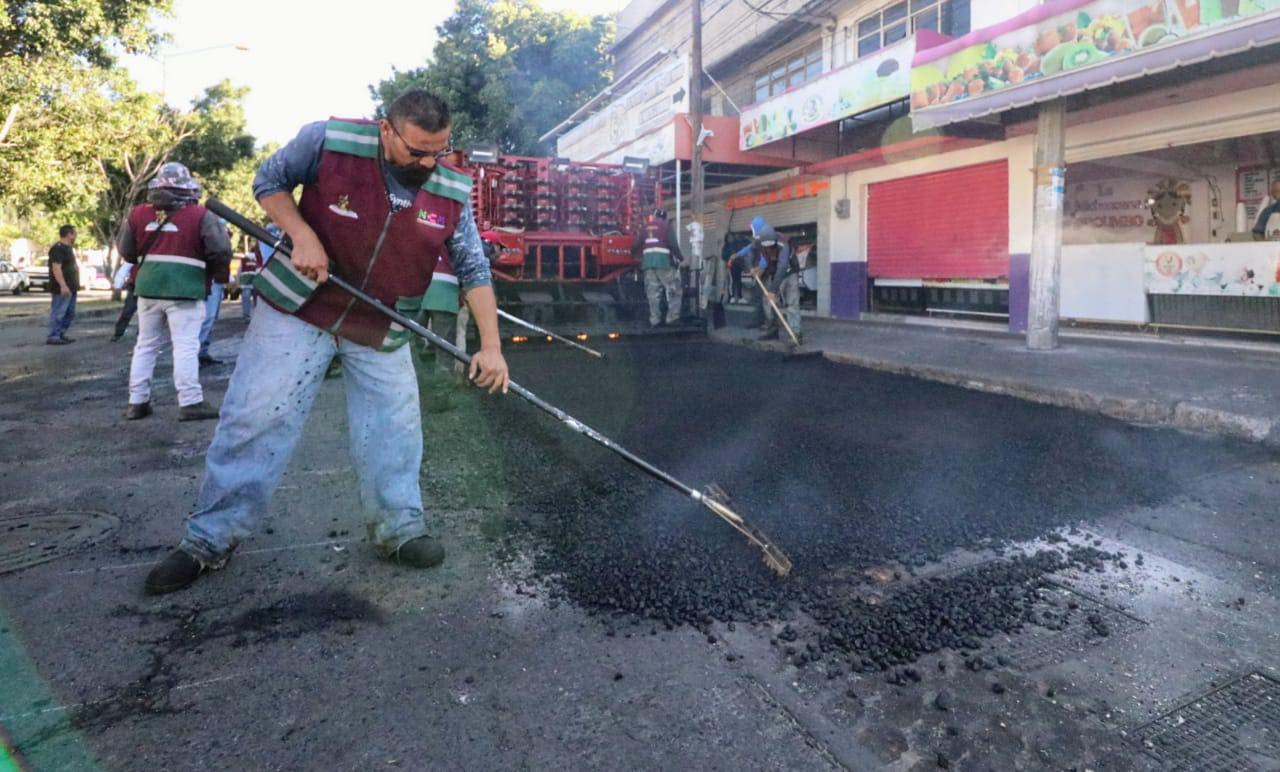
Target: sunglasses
x,y
415,152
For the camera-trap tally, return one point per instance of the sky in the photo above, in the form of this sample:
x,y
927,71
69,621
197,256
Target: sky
x,y
302,64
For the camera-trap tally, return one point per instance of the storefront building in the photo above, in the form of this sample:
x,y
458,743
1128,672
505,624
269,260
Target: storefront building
x,y
1172,139
1172,143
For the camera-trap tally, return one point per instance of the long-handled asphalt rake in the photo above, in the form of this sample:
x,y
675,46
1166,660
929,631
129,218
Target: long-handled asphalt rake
x,y
713,498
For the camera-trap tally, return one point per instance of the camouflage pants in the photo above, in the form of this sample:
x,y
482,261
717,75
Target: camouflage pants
x,y
660,281
788,303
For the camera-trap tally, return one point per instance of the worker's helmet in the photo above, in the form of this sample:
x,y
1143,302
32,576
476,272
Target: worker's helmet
x,y
174,176
768,237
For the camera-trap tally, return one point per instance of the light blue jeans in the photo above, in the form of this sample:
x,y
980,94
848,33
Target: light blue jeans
x,y
246,303
212,305
278,373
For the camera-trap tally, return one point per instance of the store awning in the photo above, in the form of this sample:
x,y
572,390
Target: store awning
x,y
1066,47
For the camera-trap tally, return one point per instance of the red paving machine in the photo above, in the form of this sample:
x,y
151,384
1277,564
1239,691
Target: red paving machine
x,y
559,235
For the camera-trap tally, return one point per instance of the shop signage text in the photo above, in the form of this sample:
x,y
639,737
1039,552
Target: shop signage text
x,y
867,83
784,193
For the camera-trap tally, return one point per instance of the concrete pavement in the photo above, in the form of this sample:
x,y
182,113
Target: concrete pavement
x,y
1210,386
308,652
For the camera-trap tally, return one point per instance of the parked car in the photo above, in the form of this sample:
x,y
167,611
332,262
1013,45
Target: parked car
x,y
38,274
94,277
13,279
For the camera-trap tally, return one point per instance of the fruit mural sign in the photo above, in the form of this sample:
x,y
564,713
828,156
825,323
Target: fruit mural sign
x,y
867,83
1249,270
1057,38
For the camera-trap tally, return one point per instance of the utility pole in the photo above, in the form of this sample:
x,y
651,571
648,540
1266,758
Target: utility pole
x,y
1046,233
695,115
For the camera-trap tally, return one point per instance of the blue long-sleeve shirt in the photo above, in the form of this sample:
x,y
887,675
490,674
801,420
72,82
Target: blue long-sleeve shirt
x,y
298,163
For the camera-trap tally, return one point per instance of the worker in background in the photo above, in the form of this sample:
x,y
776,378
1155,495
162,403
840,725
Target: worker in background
x,y
778,268
1268,224
441,305
658,250
714,285
177,244
216,281
737,262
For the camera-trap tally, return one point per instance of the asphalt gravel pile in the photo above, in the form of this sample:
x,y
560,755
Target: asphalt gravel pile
x,y
854,473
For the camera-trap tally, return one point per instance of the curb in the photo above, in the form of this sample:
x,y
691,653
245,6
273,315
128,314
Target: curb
x,y
1151,412
92,313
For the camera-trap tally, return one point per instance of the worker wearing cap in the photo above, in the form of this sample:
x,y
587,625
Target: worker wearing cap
x,y
779,269
178,245
381,207
658,249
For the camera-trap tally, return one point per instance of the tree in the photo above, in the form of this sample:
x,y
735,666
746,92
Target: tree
x,y
509,70
79,31
63,104
210,140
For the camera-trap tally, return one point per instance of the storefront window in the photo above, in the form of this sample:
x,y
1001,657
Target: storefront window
x,y
789,73
1183,235
894,23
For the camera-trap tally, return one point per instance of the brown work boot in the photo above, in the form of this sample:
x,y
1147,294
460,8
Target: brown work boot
x,y
200,411
136,411
176,571
419,552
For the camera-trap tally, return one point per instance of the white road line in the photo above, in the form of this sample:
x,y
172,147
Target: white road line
x,y
259,551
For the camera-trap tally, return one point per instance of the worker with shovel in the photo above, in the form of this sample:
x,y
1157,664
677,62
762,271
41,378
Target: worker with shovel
x,y
380,206
778,271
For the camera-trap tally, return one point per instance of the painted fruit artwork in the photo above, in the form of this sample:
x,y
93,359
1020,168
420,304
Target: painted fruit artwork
x,y
1065,43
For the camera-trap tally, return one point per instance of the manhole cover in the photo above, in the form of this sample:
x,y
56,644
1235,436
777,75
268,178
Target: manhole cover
x,y
1234,727
31,538
1090,622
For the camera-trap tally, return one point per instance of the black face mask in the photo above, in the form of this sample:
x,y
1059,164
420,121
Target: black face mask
x,y
168,200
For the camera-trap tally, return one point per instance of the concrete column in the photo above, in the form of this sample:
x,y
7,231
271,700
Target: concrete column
x,y
1046,235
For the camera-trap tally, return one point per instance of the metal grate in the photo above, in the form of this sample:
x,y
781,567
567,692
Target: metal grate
x,y
1233,728
1039,646
31,538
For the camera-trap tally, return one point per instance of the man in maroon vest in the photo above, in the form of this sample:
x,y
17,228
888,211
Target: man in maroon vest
x,y
379,208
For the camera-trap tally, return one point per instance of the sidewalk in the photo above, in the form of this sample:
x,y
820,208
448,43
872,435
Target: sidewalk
x,y
1215,388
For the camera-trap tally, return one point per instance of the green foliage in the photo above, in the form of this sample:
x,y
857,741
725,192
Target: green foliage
x,y
235,184
510,70
218,140
67,117
81,30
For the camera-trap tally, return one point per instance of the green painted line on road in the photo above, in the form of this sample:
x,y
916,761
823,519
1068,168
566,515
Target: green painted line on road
x,y
33,724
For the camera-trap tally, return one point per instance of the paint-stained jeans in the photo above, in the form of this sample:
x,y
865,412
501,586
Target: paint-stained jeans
x,y
278,373
660,281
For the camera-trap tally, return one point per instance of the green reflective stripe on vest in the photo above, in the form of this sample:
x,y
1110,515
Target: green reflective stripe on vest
x,y
656,257
283,286
171,276
443,293
351,138
450,184
398,334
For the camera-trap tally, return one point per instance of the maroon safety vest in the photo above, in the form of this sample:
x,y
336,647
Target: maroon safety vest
x,y
389,256
174,264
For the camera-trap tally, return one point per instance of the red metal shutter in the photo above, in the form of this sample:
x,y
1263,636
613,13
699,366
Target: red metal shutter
x,y
952,224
